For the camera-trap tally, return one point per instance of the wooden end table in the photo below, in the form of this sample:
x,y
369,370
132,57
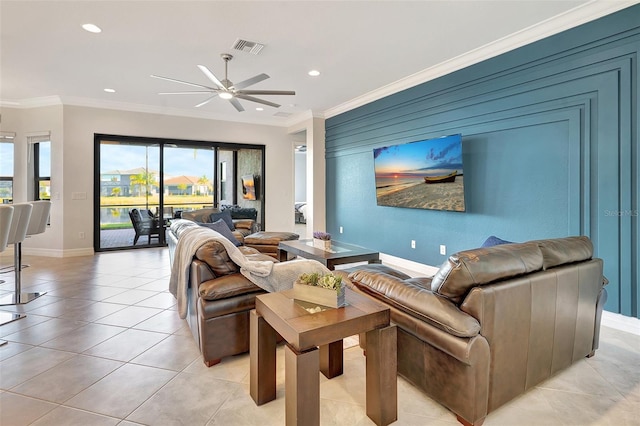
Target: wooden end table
x,y
339,254
314,342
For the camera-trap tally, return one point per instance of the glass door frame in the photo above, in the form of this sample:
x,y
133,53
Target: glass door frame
x,y
162,143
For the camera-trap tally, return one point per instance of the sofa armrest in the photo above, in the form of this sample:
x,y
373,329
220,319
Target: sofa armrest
x,y
200,272
417,301
244,223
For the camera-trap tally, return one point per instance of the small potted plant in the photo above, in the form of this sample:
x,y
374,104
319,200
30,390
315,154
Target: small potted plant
x,y
322,240
325,290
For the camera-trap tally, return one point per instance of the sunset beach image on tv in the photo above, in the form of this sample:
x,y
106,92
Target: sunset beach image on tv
x,y
425,174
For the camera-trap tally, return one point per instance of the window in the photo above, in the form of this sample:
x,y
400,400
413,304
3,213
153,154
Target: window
x,y
6,167
42,170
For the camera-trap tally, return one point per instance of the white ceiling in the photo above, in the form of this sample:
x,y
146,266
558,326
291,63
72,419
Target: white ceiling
x,y
364,49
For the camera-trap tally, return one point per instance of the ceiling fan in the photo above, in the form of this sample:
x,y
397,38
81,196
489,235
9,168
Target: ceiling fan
x,y
225,89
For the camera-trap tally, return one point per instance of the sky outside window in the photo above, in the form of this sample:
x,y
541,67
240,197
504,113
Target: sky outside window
x,y
178,162
6,159
45,159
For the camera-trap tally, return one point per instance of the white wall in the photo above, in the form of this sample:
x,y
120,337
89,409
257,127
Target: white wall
x,y
23,122
72,133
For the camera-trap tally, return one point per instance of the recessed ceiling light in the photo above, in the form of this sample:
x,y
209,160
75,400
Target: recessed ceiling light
x,y
259,109
92,28
110,90
314,73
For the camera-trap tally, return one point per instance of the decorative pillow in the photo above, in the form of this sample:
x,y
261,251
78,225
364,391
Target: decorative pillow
x,y
226,216
244,213
220,226
494,241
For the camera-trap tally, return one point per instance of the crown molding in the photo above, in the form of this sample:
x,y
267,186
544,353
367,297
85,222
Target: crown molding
x,y
44,101
580,15
124,106
177,112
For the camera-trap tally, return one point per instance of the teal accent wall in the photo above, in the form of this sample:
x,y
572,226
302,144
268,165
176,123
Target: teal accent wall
x,y
550,149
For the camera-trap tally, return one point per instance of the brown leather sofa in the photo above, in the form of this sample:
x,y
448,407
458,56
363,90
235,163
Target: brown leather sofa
x,y
247,231
219,297
493,322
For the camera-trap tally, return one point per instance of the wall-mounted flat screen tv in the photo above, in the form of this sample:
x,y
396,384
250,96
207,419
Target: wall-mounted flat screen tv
x,y
425,174
249,187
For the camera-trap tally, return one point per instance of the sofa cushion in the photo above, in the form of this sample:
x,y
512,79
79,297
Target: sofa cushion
x,y
419,302
215,255
221,227
227,286
378,267
494,241
199,215
224,215
270,238
560,251
467,269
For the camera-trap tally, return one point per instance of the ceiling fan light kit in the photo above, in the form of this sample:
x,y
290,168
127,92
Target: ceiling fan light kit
x,y
227,90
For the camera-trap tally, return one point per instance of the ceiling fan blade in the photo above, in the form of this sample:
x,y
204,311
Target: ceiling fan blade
x,y
206,101
236,104
195,92
183,82
210,76
250,81
266,92
260,101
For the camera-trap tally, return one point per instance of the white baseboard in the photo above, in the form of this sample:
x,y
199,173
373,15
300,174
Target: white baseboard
x,y
409,267
49,252
621,322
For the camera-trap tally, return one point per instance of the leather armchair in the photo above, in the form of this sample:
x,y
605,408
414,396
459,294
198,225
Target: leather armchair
x,y
493,322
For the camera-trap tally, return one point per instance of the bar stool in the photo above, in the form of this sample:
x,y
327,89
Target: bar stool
x,y
17,234
6,214
39,218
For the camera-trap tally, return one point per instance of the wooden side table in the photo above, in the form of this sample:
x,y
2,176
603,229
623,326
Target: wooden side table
x,y
314,343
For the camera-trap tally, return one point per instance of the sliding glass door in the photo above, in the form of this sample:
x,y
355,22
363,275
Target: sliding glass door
x,y
188,178
141,184
129,195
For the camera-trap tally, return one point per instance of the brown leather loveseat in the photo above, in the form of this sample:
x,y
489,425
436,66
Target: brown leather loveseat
x,y
492,322
219,297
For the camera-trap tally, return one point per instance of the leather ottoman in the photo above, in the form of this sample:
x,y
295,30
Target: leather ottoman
x,y
267,242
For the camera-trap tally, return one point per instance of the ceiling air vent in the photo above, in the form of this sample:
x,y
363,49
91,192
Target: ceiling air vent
x,y
283,114
247,46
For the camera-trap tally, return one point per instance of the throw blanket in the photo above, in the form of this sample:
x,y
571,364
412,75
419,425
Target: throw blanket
x,y
265,274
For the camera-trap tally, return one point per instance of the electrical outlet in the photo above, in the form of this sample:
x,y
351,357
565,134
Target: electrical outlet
x,y
413,243
443,249
341,230
81,235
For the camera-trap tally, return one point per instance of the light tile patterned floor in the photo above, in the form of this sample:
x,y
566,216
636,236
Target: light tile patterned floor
x,y
105,346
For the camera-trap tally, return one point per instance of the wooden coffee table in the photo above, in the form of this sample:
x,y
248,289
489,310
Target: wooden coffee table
x,y
340,253
314,342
